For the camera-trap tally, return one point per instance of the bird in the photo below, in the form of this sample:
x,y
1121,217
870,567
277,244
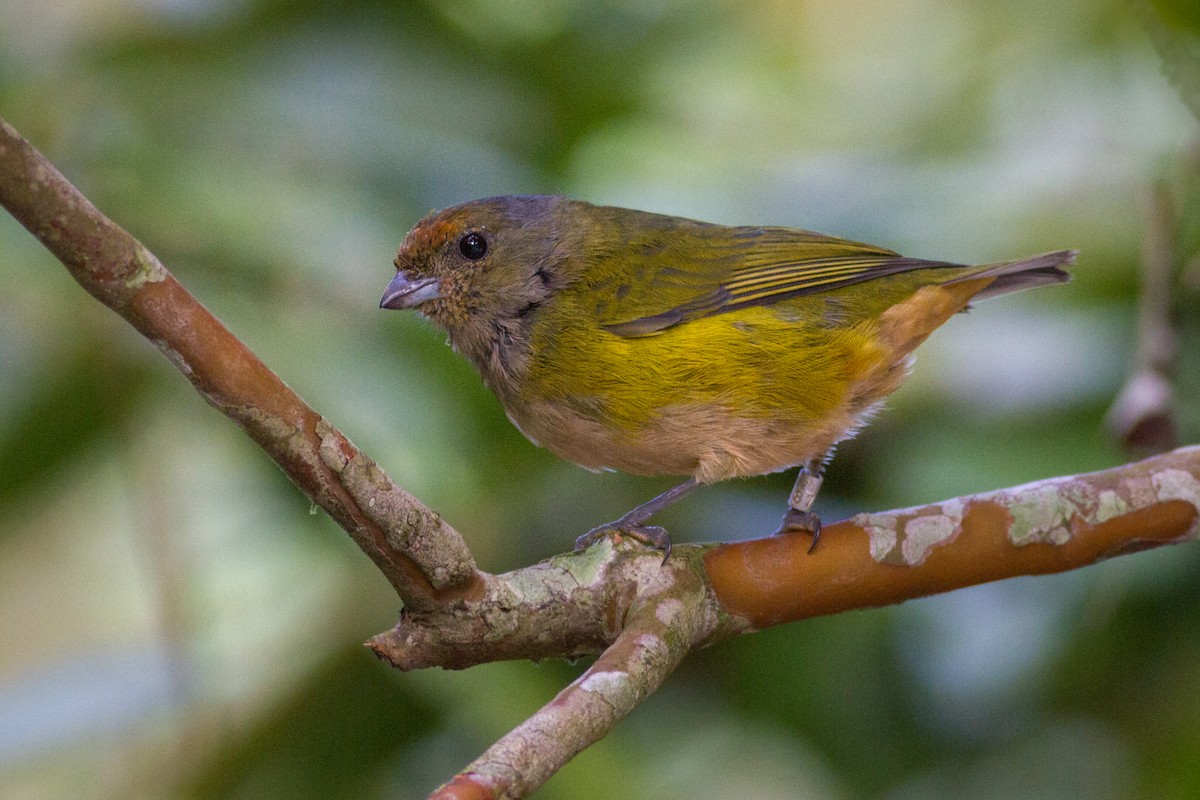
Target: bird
x,y
657,345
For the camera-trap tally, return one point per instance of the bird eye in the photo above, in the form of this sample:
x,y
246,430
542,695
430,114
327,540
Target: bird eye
x,y
473,246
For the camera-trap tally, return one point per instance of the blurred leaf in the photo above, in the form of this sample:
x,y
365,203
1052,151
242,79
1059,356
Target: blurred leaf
x,y
835,682
1174,27
273,154
1181,13
335,737
84,396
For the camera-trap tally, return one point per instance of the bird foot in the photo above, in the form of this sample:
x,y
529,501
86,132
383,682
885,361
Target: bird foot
x,y
652,535
806,521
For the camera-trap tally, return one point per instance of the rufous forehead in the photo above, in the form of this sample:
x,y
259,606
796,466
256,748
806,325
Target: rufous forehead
x,y
434,233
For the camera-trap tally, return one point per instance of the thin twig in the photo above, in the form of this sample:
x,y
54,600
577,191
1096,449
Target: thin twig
x,y
1142,415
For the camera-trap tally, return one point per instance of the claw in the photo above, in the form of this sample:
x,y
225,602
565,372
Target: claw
x,y
632,523
800,516
654,536
806,521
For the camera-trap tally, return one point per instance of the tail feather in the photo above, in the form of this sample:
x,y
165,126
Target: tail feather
x,y
1013,276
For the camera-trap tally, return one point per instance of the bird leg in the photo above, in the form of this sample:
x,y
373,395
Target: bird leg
x,y
632,523
800,516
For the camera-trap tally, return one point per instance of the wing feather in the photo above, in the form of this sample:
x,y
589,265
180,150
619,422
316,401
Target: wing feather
x,y
773,274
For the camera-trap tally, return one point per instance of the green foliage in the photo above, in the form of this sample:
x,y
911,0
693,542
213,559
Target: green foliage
x,y
273,154
1174,27
289,750
51,426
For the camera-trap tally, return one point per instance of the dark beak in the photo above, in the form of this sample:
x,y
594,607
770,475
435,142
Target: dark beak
x,y
405,292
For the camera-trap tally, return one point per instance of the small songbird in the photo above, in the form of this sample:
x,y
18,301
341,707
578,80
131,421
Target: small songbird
x,y
657,345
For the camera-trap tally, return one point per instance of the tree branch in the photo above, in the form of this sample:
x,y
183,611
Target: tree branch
x,y
667,613
1043,527
616,598
608,593
1142,415
423,557
574,605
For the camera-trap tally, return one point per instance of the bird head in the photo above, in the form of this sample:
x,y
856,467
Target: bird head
x,y
481,263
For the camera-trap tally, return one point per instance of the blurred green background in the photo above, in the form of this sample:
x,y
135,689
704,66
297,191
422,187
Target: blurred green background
x,y
176,622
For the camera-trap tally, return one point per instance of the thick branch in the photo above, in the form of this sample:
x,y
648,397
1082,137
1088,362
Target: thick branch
x,y
1042,527
423,558
571,606
607,594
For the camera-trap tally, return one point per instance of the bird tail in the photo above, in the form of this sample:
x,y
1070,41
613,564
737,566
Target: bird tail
x,y
1013,276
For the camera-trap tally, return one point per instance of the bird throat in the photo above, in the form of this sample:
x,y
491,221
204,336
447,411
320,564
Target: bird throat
x,y
499,349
